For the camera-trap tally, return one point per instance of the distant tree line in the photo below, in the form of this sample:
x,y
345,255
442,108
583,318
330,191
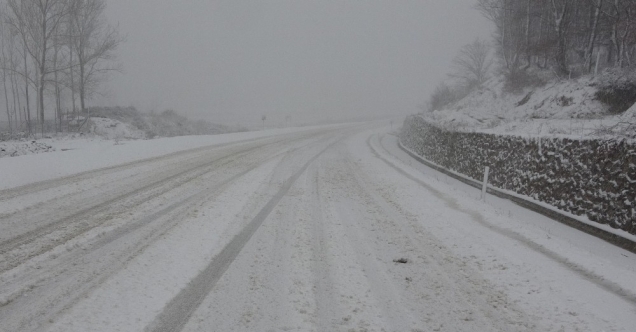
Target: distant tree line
x,y
566,36
53,53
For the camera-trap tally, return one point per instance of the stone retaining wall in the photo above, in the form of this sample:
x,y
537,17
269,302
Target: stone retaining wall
x,y
591,177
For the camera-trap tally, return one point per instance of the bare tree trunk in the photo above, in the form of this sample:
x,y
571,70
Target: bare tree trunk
x,y
71,72
42,71
625,36
590,45
540,42
614,54
13,104
559,26
82,89
6,100
41,100
90,30
528,53
622,48
4,85
58,126
503,34
26,92
17,108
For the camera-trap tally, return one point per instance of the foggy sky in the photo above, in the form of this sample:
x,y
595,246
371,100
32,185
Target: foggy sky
x,y
233,61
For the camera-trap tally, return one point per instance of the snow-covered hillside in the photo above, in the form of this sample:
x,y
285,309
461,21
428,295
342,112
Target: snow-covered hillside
x,y
557,108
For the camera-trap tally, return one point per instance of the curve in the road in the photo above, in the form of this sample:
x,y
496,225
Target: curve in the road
x,y
594,278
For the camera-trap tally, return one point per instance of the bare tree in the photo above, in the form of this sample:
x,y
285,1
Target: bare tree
x,y
38,21
597,5
93,44
16,19
562,34
621,15
58,59
54,45
497,12
4,56
11,66
509,17
560,13
472,64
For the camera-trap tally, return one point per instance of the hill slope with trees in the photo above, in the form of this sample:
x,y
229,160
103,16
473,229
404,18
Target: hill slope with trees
x,y
554,67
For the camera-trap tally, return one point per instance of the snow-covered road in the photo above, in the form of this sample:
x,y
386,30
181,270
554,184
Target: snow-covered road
x,y
321,229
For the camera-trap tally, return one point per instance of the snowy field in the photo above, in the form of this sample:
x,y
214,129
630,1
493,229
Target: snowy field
x,y
80,154
329,228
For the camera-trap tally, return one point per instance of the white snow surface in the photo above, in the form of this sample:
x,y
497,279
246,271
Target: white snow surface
x,y
560,108
99,129
131,240
76,154
24,147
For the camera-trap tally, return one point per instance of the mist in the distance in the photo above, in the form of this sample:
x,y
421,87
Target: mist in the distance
x,y
234,61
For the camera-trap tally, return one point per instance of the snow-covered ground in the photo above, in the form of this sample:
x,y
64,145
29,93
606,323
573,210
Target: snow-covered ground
x,y
76,154
291,230
97,129
561,108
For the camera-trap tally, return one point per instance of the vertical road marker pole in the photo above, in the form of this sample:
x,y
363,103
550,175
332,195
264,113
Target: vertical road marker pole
x,y
485,185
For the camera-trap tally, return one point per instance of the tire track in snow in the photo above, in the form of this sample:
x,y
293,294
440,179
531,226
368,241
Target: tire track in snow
x,y
598,280
173,160
324,293
178,311
470,297
76,280
13,253
150,237
79,217
10,193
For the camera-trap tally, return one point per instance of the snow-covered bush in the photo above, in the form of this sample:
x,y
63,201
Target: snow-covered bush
x,y
19,148
168,123
115,129
123,114
619,97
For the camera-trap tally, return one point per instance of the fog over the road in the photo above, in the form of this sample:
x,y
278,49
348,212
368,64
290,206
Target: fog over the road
x,y
233,61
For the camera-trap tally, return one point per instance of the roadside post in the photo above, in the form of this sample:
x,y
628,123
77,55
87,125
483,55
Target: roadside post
x,y
485,184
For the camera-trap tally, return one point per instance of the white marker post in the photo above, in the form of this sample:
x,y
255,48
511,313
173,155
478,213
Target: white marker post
x,y
485,185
